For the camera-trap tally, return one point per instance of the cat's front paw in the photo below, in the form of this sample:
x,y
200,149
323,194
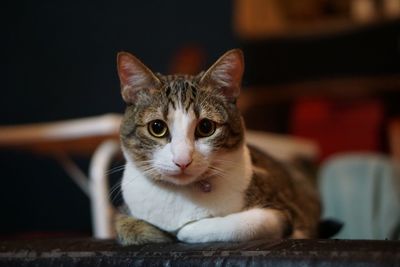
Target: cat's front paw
x,y
197,232
131,231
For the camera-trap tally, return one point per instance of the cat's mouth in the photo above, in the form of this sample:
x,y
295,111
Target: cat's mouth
x,y
177,176
195,176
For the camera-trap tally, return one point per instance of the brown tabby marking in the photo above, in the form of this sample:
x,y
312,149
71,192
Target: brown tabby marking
x,y
174,91
273,186
135,232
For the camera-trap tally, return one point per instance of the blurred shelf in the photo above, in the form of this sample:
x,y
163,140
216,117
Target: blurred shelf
x,y
359,51
347,87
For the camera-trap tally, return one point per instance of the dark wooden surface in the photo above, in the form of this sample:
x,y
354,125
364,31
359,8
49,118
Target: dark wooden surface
x,y
90,252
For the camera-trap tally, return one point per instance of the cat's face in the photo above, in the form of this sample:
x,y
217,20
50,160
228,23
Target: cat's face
x,y
178,128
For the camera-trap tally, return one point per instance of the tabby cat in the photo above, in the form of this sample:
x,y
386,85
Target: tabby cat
x,y
189,173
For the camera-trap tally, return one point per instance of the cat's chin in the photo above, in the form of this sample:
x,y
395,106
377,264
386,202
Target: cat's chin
x,y
203,185
180,179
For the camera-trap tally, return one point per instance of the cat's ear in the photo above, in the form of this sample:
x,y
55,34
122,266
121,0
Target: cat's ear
x,y
134,76
226,73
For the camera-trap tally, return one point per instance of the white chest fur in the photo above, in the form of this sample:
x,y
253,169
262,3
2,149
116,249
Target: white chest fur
x,y
170,207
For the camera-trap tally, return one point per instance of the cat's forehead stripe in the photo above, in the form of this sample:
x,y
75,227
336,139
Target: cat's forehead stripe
x,y
180,90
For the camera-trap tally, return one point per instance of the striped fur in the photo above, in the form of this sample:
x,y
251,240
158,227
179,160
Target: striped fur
x,y
179,91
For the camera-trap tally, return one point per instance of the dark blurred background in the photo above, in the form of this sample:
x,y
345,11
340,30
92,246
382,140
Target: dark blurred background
x,y
338,59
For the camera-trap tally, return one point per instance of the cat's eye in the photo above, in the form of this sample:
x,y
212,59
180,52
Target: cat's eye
x,y
157,128
205,128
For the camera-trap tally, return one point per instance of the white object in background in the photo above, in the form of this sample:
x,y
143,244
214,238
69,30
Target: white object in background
x,y
102,210
283,147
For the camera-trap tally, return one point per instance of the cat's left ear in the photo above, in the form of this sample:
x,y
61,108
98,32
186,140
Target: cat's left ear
x,y
226,73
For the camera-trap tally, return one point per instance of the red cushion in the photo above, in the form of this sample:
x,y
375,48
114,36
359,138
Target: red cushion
x,y
339,125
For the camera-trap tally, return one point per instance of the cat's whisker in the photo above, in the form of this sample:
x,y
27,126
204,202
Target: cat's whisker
x,y
224,163
115,191
126,182
117,187
217,169
116,169
224,160
218,174
149,171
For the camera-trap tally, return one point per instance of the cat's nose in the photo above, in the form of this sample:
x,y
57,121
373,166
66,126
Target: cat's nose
x,y
183,164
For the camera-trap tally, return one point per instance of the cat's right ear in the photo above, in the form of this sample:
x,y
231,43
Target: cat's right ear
x,y
134,76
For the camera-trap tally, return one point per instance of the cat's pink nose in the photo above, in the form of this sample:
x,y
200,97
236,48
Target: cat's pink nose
x,y
183,164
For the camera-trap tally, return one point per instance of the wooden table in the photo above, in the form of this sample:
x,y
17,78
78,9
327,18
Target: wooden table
x,y
94,137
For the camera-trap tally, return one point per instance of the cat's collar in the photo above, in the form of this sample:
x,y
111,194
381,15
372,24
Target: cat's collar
x,y
204,185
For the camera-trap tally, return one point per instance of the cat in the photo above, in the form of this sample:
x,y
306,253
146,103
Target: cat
x,y
189,175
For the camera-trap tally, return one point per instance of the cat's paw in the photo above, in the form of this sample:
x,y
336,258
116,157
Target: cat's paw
x,y
131,231
198,232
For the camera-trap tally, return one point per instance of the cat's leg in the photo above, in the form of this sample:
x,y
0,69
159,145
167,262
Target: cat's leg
x,y
256,223
131,231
